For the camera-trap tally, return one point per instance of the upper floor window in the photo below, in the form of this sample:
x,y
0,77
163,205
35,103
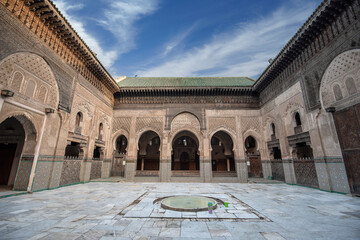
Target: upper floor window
x,y
298,128
100,131
297,119
273,133
78,120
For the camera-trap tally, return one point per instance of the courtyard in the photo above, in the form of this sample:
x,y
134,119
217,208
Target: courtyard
x,y
118,210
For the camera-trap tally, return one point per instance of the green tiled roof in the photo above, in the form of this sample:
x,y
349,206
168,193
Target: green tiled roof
x,y
186,82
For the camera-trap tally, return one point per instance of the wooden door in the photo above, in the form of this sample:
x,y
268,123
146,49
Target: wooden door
x,y
255,166
7,154
347,124
118,167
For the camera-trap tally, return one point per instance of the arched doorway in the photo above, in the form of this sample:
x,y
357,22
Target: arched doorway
x,y
149,152
222,154
339,95
118,167
185,152
13,132
12,140
253,156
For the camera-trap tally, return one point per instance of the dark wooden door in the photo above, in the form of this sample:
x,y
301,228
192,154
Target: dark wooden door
x,y
7,153
255,166
347,124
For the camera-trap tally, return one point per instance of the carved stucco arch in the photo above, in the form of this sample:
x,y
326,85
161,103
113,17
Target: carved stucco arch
x,y
179,112
30,129
226,130
267,126
117,134
144,130
189,116
343,66
26,120
256,136
197,134
84,108
289,117
39,69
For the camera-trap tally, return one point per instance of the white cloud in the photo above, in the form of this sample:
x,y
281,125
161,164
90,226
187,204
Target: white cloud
x,y
243,51
177,40
119,18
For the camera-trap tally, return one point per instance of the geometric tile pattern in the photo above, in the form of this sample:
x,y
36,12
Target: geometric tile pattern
x,y
42,175
95,172
70,172
23,174
277,169
305,172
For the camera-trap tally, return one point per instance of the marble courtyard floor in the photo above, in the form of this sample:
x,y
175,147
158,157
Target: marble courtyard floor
x,y
117,210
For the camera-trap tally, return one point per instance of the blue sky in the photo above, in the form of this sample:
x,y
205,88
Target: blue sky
x,y
183,38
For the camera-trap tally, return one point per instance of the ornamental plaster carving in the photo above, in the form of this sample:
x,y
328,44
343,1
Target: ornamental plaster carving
x,y
30,123
228,123
117,134
250,123
185,121
28,74
256,136
155,123
293,107
341,69
84,107
103,118
121,123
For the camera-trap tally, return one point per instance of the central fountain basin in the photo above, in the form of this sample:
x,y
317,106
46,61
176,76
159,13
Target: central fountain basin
x,y
188,203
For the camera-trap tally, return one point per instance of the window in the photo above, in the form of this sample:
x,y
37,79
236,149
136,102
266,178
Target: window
x,y
273,128
78,119
297,119
100,129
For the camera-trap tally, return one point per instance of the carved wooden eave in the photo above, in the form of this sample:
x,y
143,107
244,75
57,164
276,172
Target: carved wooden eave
x,y
188,95
44,19
293,53
185,91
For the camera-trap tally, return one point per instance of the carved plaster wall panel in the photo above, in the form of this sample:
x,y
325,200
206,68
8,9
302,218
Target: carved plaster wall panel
x,y
121,123
250,123
185,121
217,122
155,123
341,80
30,75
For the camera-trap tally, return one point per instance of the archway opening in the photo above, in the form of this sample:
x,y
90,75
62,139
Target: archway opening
x,y
12,136
222,154
121,144
73,150
149,152
118,168
253,156
185,152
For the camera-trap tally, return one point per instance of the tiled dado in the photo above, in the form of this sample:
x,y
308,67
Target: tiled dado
x,y
23,173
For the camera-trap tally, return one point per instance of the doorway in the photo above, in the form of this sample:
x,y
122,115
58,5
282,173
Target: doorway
x,y
7,153
347,122
254,159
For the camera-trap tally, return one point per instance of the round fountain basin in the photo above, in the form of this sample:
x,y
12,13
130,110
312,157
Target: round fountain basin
x,y
188,203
